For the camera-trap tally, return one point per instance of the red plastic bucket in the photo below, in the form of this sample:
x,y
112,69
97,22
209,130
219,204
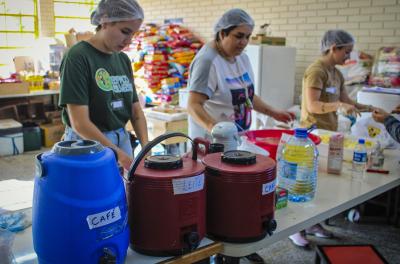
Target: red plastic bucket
x,y
268,139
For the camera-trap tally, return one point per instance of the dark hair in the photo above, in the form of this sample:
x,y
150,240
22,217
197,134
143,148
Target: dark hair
x,y
99,26
226,32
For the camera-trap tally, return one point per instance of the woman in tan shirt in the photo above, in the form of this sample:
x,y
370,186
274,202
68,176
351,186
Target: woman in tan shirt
x,y
323,91
323,95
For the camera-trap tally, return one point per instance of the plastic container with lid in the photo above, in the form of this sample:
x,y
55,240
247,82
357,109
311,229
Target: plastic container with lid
x,y
298,167
237,183
11,137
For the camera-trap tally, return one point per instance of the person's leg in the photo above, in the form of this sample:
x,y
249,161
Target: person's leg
x,y
121,139
299,239
319,231
255,258
70,134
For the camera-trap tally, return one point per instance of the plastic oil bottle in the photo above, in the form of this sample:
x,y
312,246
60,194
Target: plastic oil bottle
x,y
299,167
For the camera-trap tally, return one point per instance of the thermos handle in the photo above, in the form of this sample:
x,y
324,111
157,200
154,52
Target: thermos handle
x,y
153,143
39,168
202,141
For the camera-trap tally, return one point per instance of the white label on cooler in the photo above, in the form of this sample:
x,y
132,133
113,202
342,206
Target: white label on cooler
x,y
103,218
188,185
268,187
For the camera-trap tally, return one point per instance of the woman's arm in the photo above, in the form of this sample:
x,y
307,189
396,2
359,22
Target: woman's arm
x,y
261,107
81,124
315,106
392,125
196,110
344,97
139,123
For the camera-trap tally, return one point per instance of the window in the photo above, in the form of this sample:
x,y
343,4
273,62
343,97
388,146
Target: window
x,y
18,29
73,14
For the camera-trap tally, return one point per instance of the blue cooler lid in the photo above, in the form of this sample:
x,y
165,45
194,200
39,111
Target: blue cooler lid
x,y
77,147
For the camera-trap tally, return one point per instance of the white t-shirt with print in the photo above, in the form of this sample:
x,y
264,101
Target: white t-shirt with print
x,y
228,85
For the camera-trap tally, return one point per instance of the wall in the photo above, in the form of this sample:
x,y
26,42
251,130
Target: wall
x,y
372,22
46,18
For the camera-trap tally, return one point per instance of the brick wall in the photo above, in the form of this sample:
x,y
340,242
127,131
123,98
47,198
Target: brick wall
x,y
372,22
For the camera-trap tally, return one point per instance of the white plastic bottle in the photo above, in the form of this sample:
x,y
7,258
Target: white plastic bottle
x,y
359,160
299,167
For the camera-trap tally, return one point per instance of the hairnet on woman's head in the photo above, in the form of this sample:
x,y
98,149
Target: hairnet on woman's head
x,y
115,11
339,37
233,17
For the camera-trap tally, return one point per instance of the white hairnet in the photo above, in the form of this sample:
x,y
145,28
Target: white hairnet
x,y
339,37
233,17
116,10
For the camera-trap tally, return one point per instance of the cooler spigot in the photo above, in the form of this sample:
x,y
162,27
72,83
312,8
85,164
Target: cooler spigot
x,y
192,239
108,257
270,226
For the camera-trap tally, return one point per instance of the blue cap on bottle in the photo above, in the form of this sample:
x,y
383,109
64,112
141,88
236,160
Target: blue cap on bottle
x,y
301,132
361,141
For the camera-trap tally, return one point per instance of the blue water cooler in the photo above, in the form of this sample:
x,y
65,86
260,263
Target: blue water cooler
x,y
79,205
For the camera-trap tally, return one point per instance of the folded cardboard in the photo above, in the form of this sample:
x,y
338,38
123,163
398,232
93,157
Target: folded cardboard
x,y
24,63
14,88
275,41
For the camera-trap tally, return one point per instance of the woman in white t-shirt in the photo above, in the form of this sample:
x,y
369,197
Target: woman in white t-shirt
x,y
221,80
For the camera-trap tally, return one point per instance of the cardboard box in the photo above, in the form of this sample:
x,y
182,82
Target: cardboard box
x,y
24,63
51,134
156,127
275,41
14,88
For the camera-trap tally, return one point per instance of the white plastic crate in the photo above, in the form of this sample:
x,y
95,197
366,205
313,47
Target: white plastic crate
x,y
11,137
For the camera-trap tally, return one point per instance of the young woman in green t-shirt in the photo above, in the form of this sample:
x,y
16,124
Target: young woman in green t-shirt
x,y
98,95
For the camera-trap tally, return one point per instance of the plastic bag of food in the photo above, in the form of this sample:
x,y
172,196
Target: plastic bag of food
x,y
366,127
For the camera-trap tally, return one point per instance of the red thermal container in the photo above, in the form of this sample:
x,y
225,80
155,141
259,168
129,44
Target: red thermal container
x,y
166,198
240,196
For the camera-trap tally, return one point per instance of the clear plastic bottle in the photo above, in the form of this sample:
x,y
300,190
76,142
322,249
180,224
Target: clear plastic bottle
x,y
299,167
359,160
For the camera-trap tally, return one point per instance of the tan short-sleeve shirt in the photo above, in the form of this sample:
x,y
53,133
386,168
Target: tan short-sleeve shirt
x,y
331,83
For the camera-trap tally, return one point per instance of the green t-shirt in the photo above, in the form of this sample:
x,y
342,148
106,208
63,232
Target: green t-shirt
x,y
103,82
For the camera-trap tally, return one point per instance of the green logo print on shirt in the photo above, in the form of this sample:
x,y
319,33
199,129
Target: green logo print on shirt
x,y
118,84
103,80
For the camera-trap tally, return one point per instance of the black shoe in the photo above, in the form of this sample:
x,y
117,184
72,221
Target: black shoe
x,y
255,258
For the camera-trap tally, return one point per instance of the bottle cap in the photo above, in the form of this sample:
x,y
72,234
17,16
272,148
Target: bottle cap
x,y
301,132
361,141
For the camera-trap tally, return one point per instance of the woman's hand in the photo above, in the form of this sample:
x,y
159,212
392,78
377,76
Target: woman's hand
x,y
396,110
124,159
348,109
283,116
379,115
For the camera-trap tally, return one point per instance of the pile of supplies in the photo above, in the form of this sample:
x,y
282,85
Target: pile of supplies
x,y
161,58
386,69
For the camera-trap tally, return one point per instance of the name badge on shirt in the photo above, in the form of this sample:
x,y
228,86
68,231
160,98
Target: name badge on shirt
x,y
331,90
117,104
